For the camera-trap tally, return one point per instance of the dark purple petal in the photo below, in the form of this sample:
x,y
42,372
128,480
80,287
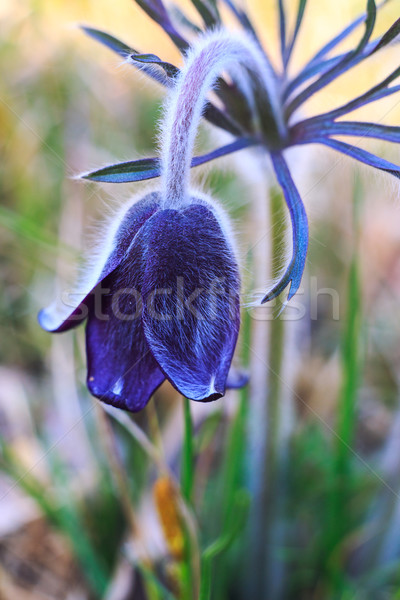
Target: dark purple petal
x,y
294,271
191,300
121,368
61,317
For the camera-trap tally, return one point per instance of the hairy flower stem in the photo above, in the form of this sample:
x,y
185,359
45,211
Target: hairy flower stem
x,y
260,253
213,54
272,473
187,473
266,572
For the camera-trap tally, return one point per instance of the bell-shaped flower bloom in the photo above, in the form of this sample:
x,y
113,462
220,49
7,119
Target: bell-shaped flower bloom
x,y
267,108
165,305
172,305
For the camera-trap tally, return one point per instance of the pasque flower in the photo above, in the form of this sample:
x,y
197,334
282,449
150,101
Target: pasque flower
x,y
168,280
167,306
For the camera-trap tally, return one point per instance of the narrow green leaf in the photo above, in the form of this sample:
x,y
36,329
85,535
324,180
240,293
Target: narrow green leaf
x,y
223,543
299,20
389,36
151,579
282,27
187,468
183,20
208,12
211,112
136,170
170,70
157,11
149,168
109,41
127,52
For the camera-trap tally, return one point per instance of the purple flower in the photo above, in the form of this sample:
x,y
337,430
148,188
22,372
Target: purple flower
x,y
166,305
263,110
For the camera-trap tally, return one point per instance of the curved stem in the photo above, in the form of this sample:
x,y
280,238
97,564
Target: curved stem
x,y
213,53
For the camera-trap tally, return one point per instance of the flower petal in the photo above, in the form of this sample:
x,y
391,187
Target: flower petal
x,y
121,368
73,310
191,300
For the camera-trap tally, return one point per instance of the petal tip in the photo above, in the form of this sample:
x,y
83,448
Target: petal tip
x,y
114,396
47,319
200,392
